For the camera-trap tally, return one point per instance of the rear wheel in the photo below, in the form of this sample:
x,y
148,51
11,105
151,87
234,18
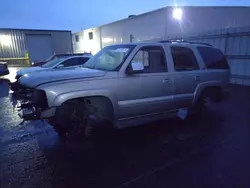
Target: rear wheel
x,y
206,97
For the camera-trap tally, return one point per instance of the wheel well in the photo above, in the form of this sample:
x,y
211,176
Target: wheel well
x,y
102,103
211,91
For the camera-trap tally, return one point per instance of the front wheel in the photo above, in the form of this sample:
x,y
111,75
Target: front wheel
x,y
73,120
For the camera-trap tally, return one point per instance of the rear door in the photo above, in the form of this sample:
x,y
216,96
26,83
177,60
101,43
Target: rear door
x,y
186,75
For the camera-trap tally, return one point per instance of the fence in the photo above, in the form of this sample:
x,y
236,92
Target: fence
x,y
17,62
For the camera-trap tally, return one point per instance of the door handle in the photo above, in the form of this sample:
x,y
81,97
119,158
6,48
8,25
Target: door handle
x,y
167,81
197,78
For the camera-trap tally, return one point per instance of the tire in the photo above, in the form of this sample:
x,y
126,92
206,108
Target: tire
x,y
79,126
216,95
61,133
198,108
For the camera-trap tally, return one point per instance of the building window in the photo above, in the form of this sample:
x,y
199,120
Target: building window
x,y
77,38
90,35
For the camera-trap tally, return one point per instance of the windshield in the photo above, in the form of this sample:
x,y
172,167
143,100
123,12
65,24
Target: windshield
x,y
52,63
109,58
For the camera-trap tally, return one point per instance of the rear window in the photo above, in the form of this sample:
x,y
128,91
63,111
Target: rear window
x,y
213,58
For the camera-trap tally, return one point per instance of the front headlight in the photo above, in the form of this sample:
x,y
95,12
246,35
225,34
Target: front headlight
x,y
40,99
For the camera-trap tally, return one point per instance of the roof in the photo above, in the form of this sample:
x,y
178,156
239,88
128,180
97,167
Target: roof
x,y
166,42
43,30
169,7
76,56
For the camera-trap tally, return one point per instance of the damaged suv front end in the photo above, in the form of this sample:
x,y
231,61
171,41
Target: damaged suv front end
x,y
45,89
35,107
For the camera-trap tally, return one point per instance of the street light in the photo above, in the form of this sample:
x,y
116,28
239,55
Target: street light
x,y
177,14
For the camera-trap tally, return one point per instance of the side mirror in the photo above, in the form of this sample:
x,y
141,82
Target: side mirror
x,y
60,66
135,67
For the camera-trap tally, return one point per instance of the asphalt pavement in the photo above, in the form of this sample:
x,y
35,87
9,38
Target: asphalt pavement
x,y
212,152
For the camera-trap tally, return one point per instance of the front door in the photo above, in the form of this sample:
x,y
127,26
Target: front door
x,y
147,92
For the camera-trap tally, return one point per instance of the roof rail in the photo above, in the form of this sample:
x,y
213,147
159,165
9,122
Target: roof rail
x,y
183,41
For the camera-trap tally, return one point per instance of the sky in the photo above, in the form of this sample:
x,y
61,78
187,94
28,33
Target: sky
x,y
81,14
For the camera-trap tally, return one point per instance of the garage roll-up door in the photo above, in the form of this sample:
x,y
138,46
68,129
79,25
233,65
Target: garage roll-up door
x,y
39,47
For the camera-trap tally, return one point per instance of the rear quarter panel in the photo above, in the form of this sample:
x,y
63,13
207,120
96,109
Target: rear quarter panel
x,y
212,77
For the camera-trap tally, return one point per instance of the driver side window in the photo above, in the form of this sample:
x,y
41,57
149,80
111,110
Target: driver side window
x,y
141,56
153,59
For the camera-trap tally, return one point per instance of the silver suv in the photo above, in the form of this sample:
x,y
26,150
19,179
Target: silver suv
x,y
128,84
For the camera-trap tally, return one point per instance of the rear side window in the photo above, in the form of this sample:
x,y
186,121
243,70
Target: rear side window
x,y
70,62
184,59
213,58
83,60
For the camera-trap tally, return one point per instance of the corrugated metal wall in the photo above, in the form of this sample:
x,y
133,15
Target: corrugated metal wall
x,y
143,27
160,23
13,41
202,19
14,46
224,27
235,44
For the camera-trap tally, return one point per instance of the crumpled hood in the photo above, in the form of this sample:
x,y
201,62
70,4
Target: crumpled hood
x,y
32,80
30,70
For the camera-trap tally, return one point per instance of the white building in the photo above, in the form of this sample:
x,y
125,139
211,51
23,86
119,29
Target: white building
x,y
161,23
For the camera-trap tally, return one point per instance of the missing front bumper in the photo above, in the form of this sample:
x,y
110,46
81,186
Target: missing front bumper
x,y
20,91
27,111
28,114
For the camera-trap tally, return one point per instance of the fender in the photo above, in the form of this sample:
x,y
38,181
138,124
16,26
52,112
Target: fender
x,y
60,99
200,87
